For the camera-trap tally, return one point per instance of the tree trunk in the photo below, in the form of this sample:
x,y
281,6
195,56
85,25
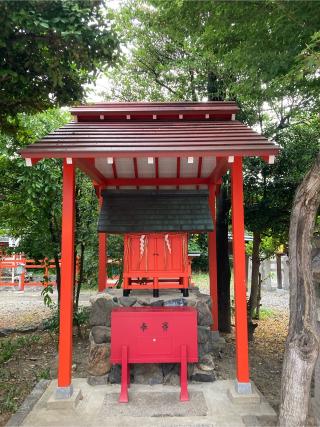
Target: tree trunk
x,y
80,280
254,292
223,264
302,345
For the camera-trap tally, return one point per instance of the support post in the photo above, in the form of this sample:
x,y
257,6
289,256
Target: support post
x,y
243,385
212,252
102,274
102,267
65,389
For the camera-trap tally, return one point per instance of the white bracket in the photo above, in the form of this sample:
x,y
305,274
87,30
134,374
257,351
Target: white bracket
x,y
150,160
180,116
231,159
271,160
207,116
110,160
190,159
101,117
128,117
233,117
28,162
69,161
154,117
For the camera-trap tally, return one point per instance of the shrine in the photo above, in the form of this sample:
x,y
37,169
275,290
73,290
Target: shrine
x,y
155,261
156,168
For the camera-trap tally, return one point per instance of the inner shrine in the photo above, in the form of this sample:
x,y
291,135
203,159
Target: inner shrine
x,y
156,168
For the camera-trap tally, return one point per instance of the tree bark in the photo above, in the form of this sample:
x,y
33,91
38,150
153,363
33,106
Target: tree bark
x,y
302,345
254,292
223,264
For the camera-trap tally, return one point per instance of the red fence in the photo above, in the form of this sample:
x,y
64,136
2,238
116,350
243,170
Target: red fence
x,y
17,266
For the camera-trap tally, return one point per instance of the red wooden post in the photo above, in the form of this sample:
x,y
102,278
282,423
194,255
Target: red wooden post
x,y
212,251
242,359
65,389
102,274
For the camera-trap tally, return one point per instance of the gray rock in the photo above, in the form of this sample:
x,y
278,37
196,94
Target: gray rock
x,y
114,376
127,301
101,334
141,301
204,334
176,302
206,363
203,376
98,380
167,368
204,314
99,359
147,373
100,314
172,379
157,303
171,373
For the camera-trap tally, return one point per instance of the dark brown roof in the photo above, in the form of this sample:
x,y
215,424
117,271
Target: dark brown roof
x,y
135,108
151,138
126,211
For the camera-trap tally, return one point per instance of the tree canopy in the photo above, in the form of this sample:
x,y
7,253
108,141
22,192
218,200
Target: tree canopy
x,y
49,50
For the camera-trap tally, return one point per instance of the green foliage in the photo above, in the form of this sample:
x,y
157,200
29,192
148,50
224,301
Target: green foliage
x,y
9,346
47,293
44,374
265,55
49,50
81,316
266,313
198,243
51,323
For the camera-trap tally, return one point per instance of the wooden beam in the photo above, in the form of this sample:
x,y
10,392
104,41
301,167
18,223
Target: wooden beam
x,y
221,168
67,281
154,181
88,167
239,268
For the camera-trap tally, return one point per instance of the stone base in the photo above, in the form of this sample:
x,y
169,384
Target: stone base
x,y
244,396
68,403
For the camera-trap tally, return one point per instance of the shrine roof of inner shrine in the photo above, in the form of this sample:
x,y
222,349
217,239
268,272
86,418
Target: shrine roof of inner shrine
x,y
149,144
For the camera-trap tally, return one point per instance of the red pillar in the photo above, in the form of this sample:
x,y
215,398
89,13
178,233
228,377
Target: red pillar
x,y
212,252
67,276
102,275
242,360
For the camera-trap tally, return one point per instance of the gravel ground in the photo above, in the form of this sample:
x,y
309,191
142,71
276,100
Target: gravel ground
x,y
19,309
277,299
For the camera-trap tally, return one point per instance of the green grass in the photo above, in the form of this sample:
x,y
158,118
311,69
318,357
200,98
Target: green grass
x,y
201,280
9,346
266,313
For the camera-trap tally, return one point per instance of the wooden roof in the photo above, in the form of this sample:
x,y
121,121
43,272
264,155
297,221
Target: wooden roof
x,y
149,144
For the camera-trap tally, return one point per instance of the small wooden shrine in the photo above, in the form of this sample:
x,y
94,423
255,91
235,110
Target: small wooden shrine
x,y
129,148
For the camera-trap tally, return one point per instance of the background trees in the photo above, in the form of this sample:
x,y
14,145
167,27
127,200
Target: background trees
x,y
49,50
262,54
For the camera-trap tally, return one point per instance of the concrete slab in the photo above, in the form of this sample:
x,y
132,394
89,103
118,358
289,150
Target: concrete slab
x,y
244,398
69,403
215,410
